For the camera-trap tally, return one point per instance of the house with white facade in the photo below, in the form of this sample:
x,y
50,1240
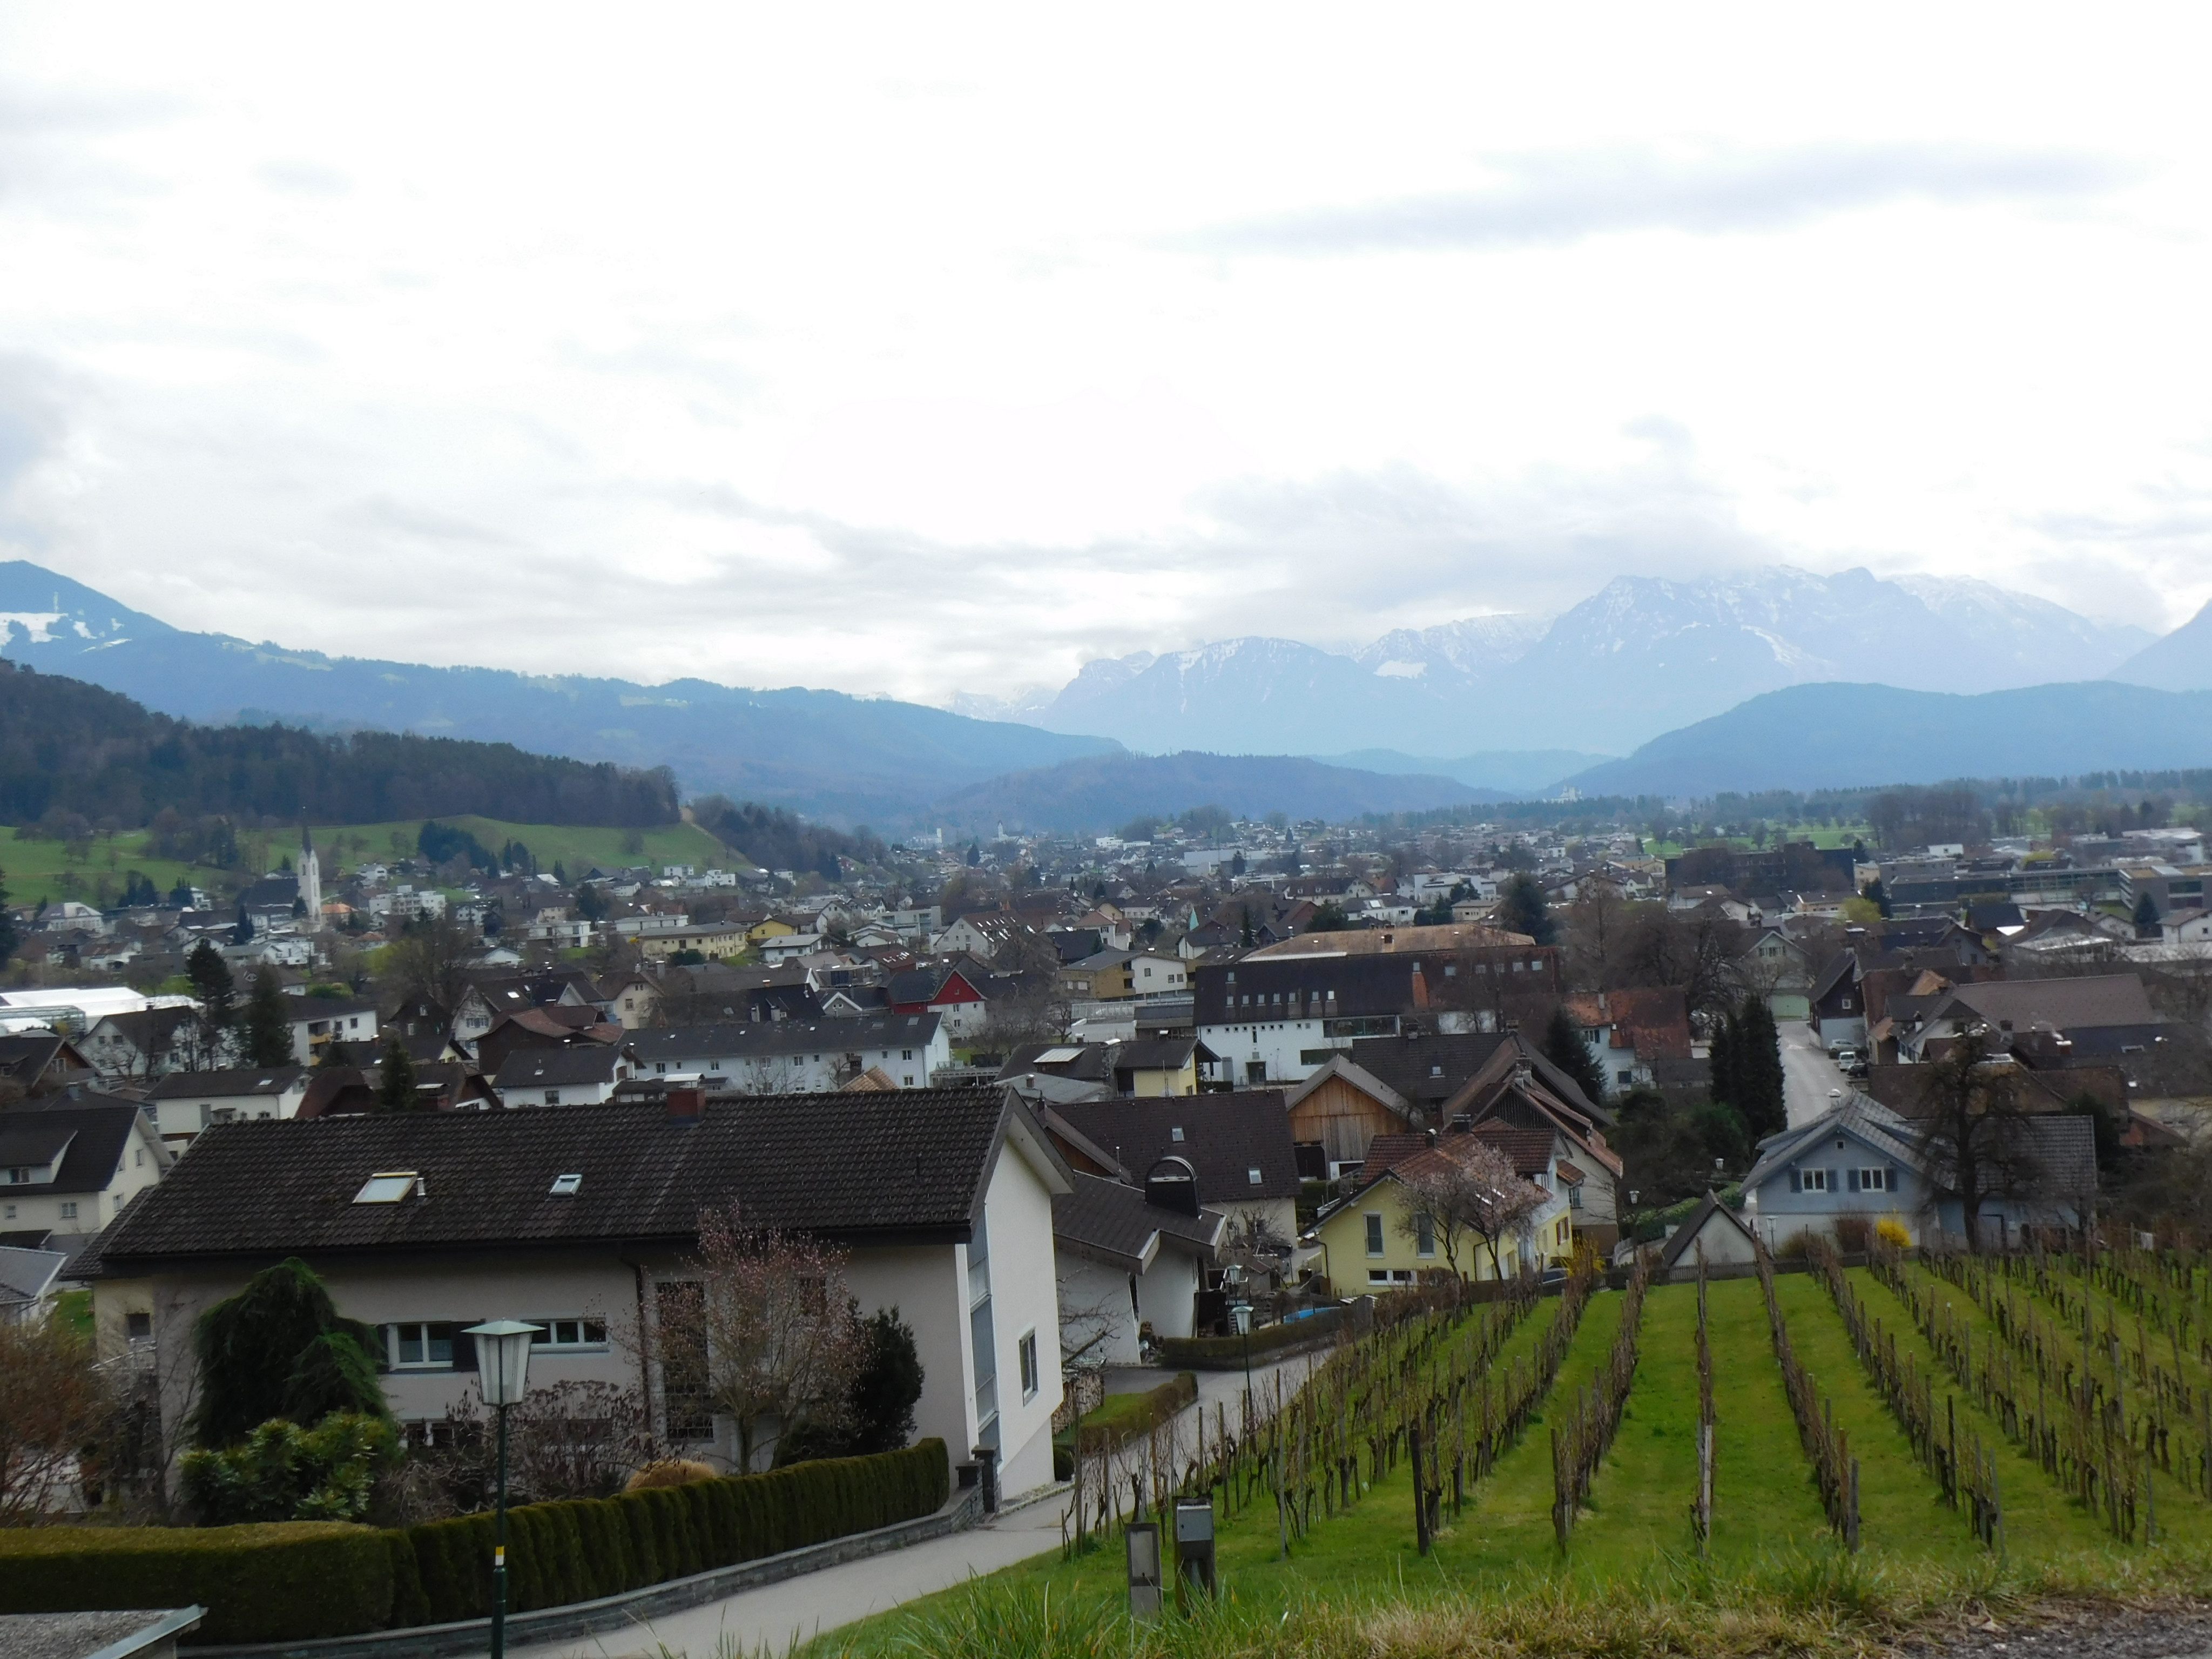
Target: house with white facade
x,y
798,1056
1131,1260
69,1167
185,1102
423,1223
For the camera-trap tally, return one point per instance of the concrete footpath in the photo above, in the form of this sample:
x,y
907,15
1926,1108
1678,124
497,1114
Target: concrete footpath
x,y
778,1617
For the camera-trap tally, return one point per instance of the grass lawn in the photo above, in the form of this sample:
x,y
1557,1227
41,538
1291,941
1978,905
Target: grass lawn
x,y
2039,1519
35,869
575,847
1116,1413
1777,1582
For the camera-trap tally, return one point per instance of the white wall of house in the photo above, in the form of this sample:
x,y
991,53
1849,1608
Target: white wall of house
x,y
1024,1306
31,1206
1092,1293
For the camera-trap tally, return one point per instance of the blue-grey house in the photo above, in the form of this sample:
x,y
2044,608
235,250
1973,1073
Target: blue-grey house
x,y
1860,1158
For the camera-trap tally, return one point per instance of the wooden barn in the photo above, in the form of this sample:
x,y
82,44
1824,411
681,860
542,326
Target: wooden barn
x,y
1337,1111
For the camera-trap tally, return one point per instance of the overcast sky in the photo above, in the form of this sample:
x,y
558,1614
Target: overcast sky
x,y
933,348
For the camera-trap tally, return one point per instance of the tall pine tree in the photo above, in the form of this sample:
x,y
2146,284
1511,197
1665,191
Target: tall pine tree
x,y
212,985
1563,1046
1758,1062
1727,1078
395,1090
268,1028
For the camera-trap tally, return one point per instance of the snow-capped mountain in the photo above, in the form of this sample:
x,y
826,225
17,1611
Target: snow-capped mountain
x,y
1473,645
1642,656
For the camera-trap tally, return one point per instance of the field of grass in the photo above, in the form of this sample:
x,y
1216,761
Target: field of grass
x,y
43,869
1630,1580
1819,835
575,847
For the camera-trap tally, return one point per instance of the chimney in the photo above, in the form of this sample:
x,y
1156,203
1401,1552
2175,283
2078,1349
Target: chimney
x,y
1172,1184
1420,987
687,1106
1432,1137
1463,1122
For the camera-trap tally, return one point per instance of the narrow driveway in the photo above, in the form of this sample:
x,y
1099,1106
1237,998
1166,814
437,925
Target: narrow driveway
x,y
1808,1074
774,1617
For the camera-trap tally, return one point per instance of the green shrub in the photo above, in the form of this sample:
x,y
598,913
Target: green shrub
x,y
285,1580
579,1550
408,1605
1124,1417
282,1472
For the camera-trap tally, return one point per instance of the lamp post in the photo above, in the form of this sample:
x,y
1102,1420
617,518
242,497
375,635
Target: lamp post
x,y
1240,1315
502,1375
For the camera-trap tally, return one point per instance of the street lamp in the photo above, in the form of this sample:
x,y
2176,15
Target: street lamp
x,y
1240,1314
502,1375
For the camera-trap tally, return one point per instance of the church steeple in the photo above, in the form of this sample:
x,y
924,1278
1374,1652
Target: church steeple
x,y
310,877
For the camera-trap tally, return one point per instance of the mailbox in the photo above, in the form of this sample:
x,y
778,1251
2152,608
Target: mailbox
x,y
1193,1531
1143,1541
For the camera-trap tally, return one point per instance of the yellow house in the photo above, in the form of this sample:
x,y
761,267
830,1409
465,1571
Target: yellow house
x,y
1366,1247
769,927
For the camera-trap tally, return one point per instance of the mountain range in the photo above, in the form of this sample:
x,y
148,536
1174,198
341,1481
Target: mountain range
x,y
1841,736
849,759
1640,657
1748,682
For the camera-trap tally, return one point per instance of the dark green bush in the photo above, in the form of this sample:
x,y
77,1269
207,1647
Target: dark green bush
x,y
282,1581
585,1548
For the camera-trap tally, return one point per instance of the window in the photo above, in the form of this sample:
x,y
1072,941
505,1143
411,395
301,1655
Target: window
x,y
139,1326
1873,1180
418,1347
10,1213
1374,1233
1574,1196
1813,1180
569,1333
1378,1275
1175,1131
1425,1235
906,1053
68,1212
567,1186
386,1187
552,1096
139,1158
1252,1178
1025,1350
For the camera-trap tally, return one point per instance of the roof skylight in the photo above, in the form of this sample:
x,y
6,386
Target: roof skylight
x,y
567,1186
386,1187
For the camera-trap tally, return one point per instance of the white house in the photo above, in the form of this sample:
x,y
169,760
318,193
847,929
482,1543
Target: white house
x,y
576,1075
1131,1260
185,1103
798,1056
576,1221
71,1168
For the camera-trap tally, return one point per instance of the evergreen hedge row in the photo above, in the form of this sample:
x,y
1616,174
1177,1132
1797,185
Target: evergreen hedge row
x,y
292,1581
582,1549
272,1581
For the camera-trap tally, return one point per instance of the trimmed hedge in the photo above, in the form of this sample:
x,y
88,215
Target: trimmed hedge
x,y
582,1549
291,1581
1214,1353
271,1582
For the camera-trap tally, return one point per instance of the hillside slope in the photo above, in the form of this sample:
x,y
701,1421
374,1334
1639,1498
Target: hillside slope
x,y
821,752
1842,736
67,747
2182,661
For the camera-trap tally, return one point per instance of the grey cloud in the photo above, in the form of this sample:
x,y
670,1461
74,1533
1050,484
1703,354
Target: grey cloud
x,y
381,512
1555,198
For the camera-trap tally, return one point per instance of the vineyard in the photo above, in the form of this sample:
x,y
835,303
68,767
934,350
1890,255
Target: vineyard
x,y
1953,1413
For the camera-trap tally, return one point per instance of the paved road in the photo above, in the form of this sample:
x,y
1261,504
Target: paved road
x,y
1807,1073
777,1616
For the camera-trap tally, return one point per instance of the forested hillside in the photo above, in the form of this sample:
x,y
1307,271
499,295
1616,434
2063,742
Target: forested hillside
x,y
68,748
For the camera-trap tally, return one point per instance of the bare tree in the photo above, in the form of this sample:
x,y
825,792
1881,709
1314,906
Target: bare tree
x,y
1971,1128
1466,1194
431,958
51,1402
768,1312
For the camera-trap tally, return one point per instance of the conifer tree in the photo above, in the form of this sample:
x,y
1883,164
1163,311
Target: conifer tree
x,y
268,1028
396,1089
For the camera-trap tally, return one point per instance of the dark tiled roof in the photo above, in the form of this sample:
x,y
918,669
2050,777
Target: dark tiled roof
x,y
1386,1151
551,1068
2062,1004
1426,1069
1226,1137
1107,1218
1530,1149
856,1167
101,1131
25,1057
1089,1064
265,1080
739,1039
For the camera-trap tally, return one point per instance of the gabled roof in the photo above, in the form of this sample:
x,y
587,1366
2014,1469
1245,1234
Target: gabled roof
x,y
2064,1005
1110,1221
26,1056
1226,1137
96,1130
26,1275
1344,1069
266,1082
1426,1069
576,1067
1530,1149
1384,1151
905,1167
743,1039
1685,1236
2062,1146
